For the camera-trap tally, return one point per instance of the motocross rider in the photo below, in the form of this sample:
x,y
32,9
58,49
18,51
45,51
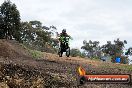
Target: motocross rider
x,y
62,36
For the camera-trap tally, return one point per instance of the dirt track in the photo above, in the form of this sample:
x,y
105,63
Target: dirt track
x,y
20,70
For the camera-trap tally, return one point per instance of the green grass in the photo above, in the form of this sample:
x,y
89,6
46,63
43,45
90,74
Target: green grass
x,y
22,45
34,53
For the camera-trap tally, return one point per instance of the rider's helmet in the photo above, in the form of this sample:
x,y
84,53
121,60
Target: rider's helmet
x,y
64,31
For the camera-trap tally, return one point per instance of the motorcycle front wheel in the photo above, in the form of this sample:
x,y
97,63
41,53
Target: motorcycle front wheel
x,y
68,52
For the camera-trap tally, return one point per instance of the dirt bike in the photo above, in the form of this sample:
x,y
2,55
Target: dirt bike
x,y
64,47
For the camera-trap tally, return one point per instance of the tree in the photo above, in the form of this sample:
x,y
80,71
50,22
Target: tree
x,y
39,37
119,45
27,34
129,51
1,26
108,48
115,49
36,24
33,34
54,42
75,52
10,18
83,54
92,48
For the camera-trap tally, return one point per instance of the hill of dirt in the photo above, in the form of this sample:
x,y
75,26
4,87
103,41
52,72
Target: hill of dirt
x,y
18,69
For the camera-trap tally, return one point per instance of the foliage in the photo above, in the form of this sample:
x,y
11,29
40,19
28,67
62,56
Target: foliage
x,y
75,52
34,53
83,54
113,49
129,51
33,34
1,27
92,48
38,37
9,21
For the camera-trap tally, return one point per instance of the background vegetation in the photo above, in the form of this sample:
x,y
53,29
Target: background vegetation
x,y
36,36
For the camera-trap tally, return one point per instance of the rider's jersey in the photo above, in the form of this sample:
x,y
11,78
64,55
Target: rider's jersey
x,y
62,37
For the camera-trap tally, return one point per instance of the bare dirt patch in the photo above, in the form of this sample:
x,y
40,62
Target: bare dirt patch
x,y
18,69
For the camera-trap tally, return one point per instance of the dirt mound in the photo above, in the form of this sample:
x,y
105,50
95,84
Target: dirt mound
x,y
12,49
18,69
